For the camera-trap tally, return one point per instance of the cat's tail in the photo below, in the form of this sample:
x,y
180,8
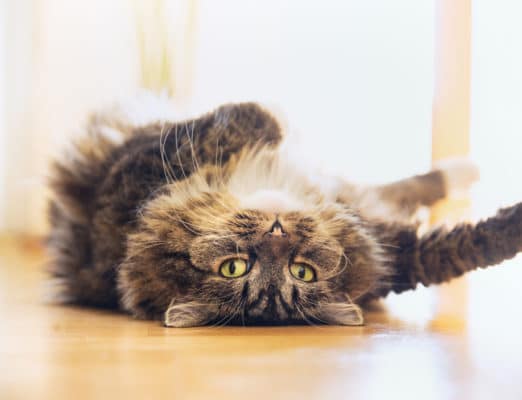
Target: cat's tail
x,y
442,254
74,179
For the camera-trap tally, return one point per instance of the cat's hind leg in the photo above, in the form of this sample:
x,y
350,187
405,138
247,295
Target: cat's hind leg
x,y
402,199
409,194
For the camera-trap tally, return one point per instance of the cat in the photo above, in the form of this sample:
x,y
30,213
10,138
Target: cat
x,y
207,222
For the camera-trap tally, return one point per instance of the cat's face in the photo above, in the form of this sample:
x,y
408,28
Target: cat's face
x,y
266,268
211,262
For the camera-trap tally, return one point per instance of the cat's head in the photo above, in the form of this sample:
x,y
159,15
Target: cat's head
x,y
201,257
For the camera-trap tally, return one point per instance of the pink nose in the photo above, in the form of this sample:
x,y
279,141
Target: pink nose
x,y
277,229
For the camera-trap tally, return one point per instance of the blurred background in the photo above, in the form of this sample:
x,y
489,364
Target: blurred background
x,y
375,90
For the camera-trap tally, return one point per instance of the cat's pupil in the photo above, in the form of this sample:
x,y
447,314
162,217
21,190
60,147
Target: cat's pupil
x,y
232,267
301,272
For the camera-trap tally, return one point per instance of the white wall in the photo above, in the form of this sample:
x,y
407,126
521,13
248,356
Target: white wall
x,y
3,6
17,68
354,78
62,60
496,123
496,144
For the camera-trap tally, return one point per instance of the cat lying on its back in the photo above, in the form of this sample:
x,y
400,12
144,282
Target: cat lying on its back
x,y
205,222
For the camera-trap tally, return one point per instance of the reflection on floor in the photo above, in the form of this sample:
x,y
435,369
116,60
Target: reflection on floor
x,y
418,346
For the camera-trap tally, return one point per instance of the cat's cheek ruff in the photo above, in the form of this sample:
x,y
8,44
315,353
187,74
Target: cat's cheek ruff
x,y
140,297
154,270
365,269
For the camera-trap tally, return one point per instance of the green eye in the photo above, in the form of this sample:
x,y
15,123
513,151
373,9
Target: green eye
x,y
233,268
302,272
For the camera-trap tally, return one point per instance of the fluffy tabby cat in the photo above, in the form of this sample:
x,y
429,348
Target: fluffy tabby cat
x,y
205,222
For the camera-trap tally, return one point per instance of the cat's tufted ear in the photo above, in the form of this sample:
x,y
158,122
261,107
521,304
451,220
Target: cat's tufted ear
x,y
343,313
190,314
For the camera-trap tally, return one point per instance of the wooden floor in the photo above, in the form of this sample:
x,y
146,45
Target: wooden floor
x,y
422,347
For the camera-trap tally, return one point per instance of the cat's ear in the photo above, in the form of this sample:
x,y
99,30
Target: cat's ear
x,y
190,314
342,313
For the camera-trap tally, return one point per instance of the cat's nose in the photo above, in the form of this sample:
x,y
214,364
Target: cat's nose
x,y
274,244
277,229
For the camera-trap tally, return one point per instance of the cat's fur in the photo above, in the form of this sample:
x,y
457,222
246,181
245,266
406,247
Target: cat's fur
x,y
143,224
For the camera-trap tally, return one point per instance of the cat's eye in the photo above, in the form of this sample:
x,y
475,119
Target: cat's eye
x,y
302,272
233,268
